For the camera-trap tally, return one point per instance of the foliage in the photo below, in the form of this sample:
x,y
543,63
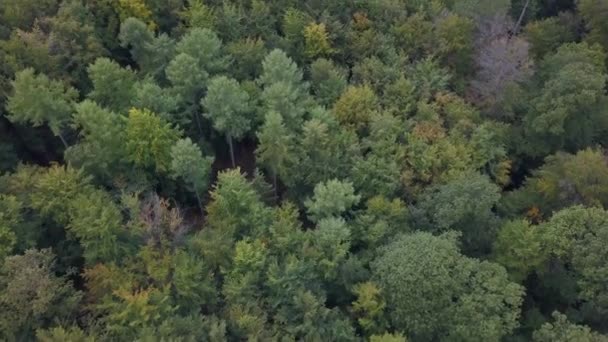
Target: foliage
x,y
332,198
432,290
39,100
420,170
149,140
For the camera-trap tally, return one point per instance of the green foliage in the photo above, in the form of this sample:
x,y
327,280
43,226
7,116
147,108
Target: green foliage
x,y
386,337
189,164
545,36
355,106
284,89
100,150
594,15
574,237
59,334
33,295
406,168
275,148
432,290
235,206
331,199
10,217
561,330
149,140
464,204
369,307
518,247
39,100
227,107
316,40
567,113
563,180
112,85
328,82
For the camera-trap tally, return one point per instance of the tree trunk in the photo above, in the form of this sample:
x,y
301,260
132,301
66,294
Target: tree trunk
x,y
200,203
274,185
231,151
198,122
65,144
521,18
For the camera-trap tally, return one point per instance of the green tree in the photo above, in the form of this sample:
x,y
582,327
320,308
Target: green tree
x,y
328,81
189,164
149,95
331,199
275,147
113,86
568,111
561,330
369,307
236,209
356,106
546,35
152,53
518,247
432,291
316,40
33,295
573,238
100,150
284,89
58,334
149,140
228,108
10,217
594,14
464,204
563,180
39,100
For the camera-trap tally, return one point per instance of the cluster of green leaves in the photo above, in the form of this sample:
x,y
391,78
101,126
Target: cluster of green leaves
x,y
205,170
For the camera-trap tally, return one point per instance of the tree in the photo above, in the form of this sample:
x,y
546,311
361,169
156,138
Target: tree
x,y
328,81
518,247
228,108
369,307
355,106
594,14
101,149
563,180
10,217
33,295
431,290
331,199
39,100
57,334
152,53
316,40
205,46
561,330
236,209
284,89
113,86
247,55
546,35
573,238
189,164
567,113
464,204
275,148
149,95
149,140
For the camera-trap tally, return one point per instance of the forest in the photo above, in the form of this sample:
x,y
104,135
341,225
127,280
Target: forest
x,y
304,170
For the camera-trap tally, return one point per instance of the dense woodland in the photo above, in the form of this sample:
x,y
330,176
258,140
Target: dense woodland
x,y
304,170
